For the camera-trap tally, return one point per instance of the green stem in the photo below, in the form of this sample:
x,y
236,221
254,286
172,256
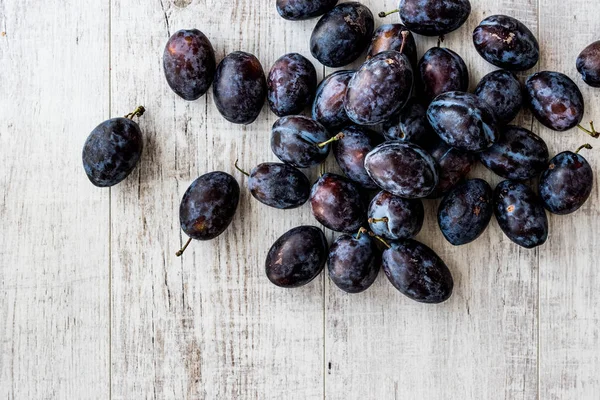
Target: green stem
x,y
592,131
337,137
376,220
386,244
138,112
180,252
585,146
384,14
360,232
241,170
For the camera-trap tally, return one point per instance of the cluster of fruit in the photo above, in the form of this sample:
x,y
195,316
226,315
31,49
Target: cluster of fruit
x,y
433,133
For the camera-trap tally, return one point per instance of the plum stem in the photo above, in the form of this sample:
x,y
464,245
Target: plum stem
x,y
360,232
384,14
592,131
138,112
376,220
585,146
337,137
180,252
322,169
404,36
382,240
440,40
241,170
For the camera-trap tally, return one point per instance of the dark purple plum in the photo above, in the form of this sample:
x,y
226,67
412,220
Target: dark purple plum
x,y
189,63
297,257
295,140
519,154
442,70
342,34
328,106
453,166
278,185
299,10
291,84
520,214
112,150
417,272
391,38
403,169
354,262
463,121
337,204
379,89
503,92
350,149
555,100
410,125
432,17
466,211
588,64
506,43
208,206
392,217
240,88
567,183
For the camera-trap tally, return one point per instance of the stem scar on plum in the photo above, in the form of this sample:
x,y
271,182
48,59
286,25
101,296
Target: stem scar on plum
x,y
592,131
138,112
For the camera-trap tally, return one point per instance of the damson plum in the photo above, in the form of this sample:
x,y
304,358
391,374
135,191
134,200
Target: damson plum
x,y
379,89
391,37
208,206
463,121
567,183
291,84
189,63
350,148
588,64
503,92
112,150
417,272
432,17
295,140
520,214
298,10
392,217
454,165
403,169
519,154
342,34
328,107
278,185
337,204
555,100
240,88
441,70
297,257
354,262
410,125
466,211
507,43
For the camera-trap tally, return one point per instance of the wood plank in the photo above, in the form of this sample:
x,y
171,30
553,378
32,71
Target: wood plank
x,y
209,325
569,278
482,343
54,250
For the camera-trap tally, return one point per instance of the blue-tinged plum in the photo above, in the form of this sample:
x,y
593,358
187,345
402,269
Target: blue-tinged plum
x,y
299,10
410,125
567,183
342,34
453,166
555,100
379,89
520,214
403,169
354,262
417,272
463,121
297,257
337,204
503,92
390,37
466,211
506,43
189,63
328,106
519,154
392,217
588,64
291,84
295,141
240,88
442,70
112,150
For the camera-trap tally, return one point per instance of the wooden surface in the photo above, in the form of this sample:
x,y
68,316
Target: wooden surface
x,y
94,303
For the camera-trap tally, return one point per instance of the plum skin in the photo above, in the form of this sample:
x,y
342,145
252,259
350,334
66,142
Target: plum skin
x,y
503,92
410,125
279,185
350,152
392,217
291,84
434,18
299,10
294,141
353,263
389,37
442,70
328,106
453,165
588,64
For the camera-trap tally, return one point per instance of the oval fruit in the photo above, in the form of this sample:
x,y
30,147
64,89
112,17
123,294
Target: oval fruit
x,y
295,139
298,10
504,94
354,263
279,185
291,84
393,217
328,107
588,64
350,152
453,166
442,70
389,37
433,17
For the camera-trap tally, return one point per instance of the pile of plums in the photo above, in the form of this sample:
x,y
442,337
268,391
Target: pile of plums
x,y
401,129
